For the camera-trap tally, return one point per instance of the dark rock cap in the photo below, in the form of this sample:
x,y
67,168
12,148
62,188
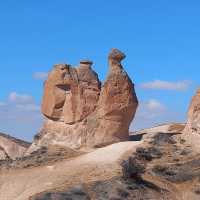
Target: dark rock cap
x,y
116,54
62,66
86,62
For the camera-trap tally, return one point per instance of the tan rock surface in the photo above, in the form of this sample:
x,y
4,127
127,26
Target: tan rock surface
x,y
193,121
192,129
55,92
70,94
117,104
84,94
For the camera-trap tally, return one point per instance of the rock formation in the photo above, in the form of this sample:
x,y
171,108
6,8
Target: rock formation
x,y
55,89
82,113
11,148
117,103
193,122
3,154
70,94
191,133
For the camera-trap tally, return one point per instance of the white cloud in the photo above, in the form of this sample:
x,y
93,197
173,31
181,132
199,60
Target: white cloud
x,y
150,109
14,97
22,102
40,75
166,85
154,105
2,103
153,112
28,107
20,116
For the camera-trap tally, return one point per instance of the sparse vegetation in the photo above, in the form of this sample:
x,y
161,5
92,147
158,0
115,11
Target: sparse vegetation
x,y
132,168
40,157
197,191
178,172
162,138
148,154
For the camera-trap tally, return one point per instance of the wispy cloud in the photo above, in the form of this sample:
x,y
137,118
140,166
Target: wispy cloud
x,y
20,115
153,112
40,75
154,105
166,85
150,109
2,104
14,97
28,107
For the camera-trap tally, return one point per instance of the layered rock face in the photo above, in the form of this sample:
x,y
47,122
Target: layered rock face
x,y
3,154
193,122
191,133
11,148
71,94
118,102
82,113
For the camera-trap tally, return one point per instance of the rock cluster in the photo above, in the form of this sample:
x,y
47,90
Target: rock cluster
x,y
80,112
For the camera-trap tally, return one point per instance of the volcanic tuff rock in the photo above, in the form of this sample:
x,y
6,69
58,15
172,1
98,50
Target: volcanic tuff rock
x,y
70,94
117,102
192,129
193,122
3,154
11,148
82,113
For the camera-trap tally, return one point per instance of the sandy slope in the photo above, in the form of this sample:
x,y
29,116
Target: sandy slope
x,y
100,164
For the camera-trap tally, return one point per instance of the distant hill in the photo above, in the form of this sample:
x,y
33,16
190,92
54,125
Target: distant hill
x,y
12,147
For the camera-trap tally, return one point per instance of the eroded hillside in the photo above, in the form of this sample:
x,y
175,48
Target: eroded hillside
x,y
160,166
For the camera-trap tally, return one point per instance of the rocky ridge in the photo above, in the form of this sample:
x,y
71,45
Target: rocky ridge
x,y
162,165
12,148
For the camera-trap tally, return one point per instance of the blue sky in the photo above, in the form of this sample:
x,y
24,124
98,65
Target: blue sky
x,y
160,38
